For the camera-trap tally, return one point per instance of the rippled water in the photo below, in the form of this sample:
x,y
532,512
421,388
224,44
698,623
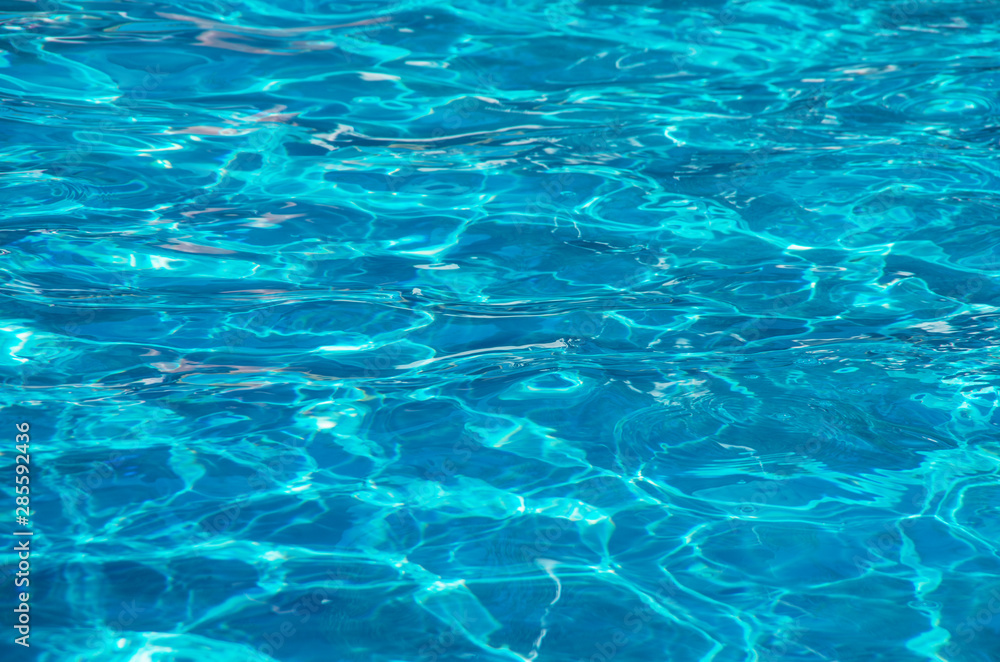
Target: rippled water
x,y
555,331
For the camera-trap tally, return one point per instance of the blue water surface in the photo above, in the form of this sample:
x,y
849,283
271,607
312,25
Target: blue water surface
x,y
555,331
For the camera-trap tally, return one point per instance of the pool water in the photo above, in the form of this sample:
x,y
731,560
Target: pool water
x,y
573,331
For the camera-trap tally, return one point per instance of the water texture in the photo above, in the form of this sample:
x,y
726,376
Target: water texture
x,y
561,331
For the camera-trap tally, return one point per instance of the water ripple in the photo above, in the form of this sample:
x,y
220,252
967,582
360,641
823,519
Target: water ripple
x,y
535,331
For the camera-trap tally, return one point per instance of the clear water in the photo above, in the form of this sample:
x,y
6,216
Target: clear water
x,y
556,331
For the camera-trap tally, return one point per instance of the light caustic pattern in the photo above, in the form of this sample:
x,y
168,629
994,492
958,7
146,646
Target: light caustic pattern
x,y
439,331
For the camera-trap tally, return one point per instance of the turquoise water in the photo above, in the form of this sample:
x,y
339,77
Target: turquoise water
x,y
572,331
